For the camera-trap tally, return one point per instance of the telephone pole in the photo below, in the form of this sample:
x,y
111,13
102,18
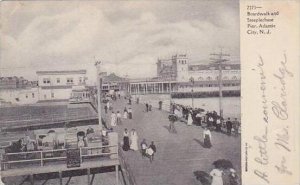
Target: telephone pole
x,y
193,83
97,64
219,60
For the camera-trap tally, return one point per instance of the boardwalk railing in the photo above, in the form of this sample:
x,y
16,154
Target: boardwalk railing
x,y
129,178
39,158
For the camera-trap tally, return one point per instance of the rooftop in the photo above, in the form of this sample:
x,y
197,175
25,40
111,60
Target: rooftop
x,y
83,71
199,67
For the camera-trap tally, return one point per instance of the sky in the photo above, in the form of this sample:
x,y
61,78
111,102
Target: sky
x,y
126,36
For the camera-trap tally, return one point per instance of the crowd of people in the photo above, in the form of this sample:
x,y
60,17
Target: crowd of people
x,y
219,175
210,119
130,138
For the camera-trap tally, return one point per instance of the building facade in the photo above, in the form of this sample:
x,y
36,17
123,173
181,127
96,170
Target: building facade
x,y
175,68
179,68
18,90
175,74
58,85
112,82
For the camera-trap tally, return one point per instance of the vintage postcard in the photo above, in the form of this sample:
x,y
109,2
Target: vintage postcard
x,y
149,92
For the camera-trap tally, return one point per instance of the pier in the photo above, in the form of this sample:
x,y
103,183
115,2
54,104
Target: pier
x,y
178,154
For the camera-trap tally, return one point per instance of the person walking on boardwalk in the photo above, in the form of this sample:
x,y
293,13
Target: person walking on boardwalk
x,y
190,120
134,140
113,119
144,146
235,125
125,114
126,145
105,108
160,105
130,113
153,147
229,126
216,175
218,124
147,107
119,116
198,118
172,119
207,138
210,121
233,178
108,105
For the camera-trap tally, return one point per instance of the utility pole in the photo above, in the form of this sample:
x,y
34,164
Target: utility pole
x,y
97,64
193,82
219,61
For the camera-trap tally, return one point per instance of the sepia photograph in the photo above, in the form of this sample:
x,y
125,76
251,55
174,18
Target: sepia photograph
x,y
120,93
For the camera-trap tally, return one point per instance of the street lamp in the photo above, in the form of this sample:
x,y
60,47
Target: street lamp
x,y
193,82
97,64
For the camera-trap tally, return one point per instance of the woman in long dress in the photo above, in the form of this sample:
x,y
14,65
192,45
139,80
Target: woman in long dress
x,y
207,138
126,146
130,113
216,175
113,119
125,115
190,120
134,140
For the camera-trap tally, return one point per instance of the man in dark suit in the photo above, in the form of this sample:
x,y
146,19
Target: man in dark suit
x,y
229,126
153,147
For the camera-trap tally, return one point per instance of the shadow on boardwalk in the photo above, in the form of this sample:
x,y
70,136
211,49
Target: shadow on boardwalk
x,y
199,142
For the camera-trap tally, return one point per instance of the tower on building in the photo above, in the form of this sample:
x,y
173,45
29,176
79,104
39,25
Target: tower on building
x,y
181,61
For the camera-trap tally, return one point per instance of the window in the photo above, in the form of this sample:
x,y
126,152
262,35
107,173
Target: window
x,y
32,95
52,95
46,80
58,80
80,80
26,96
234,78
70,80
45,96
208,78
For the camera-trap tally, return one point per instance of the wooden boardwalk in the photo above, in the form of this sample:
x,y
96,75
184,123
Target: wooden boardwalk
x,y
178,154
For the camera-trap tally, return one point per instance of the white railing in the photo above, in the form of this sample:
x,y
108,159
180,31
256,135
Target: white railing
x,y
8,160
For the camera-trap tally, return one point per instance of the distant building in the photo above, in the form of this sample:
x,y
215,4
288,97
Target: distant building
x,y
174,75
58,85
16,83
175,68
112,82
178,68
17,90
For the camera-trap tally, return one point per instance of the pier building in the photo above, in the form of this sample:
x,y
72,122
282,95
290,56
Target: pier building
x,y
58,85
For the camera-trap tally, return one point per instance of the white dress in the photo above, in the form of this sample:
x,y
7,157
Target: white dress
x,y
125,116
113,120
190,120
134,141
216,177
